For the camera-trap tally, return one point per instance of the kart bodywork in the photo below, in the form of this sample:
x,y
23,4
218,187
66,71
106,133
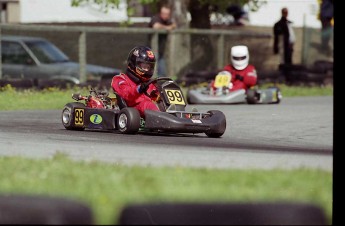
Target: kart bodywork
x,y
203,95
102,112
219,93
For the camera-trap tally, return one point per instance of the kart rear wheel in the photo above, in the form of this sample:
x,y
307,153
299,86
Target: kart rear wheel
x,y
219,131
68,115
278,94
128,121
252,96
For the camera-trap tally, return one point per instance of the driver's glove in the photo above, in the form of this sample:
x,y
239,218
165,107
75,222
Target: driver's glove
x,y
154,95
142,88
239,77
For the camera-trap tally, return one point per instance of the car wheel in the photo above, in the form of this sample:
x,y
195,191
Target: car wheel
x,y
220,129
68,116
252,96
128,121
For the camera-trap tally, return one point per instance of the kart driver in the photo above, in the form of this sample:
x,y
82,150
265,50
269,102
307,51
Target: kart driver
x,y
243,74
131,86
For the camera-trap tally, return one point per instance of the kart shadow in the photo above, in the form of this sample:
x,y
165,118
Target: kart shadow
x,y
145,133
166,134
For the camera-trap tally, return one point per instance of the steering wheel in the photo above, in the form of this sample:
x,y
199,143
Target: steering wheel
x,y
154,82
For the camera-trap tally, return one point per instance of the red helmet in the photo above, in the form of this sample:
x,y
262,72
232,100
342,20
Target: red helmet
x,y
141,63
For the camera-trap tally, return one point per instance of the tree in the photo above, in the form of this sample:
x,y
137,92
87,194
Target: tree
x,y
200,10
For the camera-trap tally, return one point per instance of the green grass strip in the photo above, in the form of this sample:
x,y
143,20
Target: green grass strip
x,y
109,187
54,98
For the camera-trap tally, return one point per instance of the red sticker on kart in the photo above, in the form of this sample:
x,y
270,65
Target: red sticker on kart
x,y
79,117
150,54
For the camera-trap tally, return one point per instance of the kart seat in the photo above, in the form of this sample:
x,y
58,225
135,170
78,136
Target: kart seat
x,y
120,101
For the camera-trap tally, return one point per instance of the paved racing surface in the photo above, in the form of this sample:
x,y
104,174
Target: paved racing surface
x,y
296,133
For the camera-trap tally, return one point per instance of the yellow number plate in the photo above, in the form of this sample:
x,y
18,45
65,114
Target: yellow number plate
x,y
79,117
222,80
175,96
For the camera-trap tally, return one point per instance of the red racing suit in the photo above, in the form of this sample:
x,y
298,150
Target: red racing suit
x,y
128,90
249,77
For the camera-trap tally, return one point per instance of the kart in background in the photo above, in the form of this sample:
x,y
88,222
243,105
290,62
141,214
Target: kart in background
x,y
99,111
220,94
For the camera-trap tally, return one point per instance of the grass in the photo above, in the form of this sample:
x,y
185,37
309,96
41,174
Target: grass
x,y
107,188
54,98
27,99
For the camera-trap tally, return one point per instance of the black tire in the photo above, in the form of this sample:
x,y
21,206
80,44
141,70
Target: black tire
x,y
67,116
128,121
220,130
223,213
252,97
20,209
188,98
279,95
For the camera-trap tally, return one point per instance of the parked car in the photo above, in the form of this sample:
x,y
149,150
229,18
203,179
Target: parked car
x,y
39,61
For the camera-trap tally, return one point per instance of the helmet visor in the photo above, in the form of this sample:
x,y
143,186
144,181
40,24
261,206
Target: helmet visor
x,y
146,66
239,58
144,69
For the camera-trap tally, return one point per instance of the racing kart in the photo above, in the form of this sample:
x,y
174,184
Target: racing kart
x,y
99,111
219,94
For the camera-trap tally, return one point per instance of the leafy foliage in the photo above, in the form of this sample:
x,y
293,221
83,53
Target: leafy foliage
x,y
221,4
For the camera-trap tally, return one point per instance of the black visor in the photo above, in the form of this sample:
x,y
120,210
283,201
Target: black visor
x,y
239,58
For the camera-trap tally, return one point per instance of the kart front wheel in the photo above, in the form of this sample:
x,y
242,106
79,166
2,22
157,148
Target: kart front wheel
x,y
219,130
252,96
128,121
68,116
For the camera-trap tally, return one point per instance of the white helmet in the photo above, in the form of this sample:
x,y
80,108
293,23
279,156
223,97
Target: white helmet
x,y
239,57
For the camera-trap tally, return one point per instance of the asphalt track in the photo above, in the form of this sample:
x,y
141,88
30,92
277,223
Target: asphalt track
x,y
297,133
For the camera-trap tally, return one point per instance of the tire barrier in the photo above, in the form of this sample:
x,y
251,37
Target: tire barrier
x,y
321,73
36,209
30,209
22,83
222,214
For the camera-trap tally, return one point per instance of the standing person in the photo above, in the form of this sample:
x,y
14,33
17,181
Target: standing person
x,y
131,87
326,16
162,21
283,28
243,75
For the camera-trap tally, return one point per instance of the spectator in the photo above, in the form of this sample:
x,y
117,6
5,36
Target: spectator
x,y
162,21
132,85
326,16
239,14
283,29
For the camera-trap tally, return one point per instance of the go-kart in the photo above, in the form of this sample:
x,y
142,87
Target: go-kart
x,y
99,111
220,94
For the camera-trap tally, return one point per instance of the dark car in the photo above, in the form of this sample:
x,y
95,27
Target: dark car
x,y
41,62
